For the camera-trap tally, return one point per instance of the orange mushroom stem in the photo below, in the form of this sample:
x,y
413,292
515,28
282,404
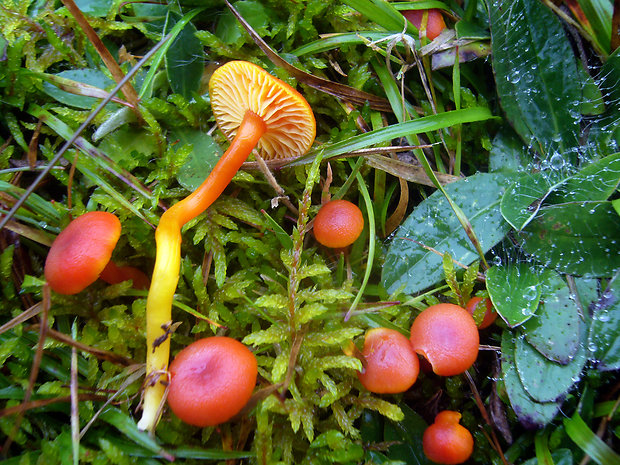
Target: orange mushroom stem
x,y
255,110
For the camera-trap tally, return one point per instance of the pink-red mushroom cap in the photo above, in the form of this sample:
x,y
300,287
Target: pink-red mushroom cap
x,y
81,251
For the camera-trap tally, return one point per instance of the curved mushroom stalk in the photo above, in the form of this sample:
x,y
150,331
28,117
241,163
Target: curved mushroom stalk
x,y
168,261
256,110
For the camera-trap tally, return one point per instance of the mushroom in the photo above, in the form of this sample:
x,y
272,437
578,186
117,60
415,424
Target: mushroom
x,y
338,224
391,366
255,110
447,336
211,380
446,441
81,251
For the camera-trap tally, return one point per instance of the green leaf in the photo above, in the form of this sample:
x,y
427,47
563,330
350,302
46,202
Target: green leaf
x,y
559,457
229,30
521,202
405,129
92,77
597,181
555,331
515,291
578,238
508,153
408,437
599,14
128,427
184,59
543,379
531,414
94,7
590,443
384,14
604,337
536,75
201,160
409,267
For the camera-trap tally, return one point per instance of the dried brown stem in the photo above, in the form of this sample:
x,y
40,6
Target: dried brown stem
x,y
117,73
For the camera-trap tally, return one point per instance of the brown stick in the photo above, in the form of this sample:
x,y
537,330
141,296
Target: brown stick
x,y
117,73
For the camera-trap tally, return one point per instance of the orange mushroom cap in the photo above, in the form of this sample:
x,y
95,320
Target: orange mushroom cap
x,y
391,364
338,224
446,441
434,24
447,336
239,86
490,315
211,380
81,251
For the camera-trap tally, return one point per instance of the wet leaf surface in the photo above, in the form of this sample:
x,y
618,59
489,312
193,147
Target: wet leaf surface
x,y
535,72
410,267
543,379
531,414
604,337
578,238
554,330
515,292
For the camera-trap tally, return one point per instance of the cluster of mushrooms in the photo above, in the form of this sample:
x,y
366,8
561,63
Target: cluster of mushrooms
x,y
254,110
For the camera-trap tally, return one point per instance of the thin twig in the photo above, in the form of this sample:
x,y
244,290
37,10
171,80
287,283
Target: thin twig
x,y
23,316
99,353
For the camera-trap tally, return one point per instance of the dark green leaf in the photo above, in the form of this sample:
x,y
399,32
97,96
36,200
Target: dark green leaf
x,y
604,338
410,267
515,292
576,238
531,414
128,427
544,380
203,157
521,202
408,437
535,72
555,330
231,32
597,181
184,60
508,154
559,457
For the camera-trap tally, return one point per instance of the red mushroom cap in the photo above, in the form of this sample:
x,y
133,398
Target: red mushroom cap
x,y
211,380
81,251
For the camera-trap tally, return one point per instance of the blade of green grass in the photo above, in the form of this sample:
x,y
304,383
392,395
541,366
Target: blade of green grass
x,y
384,14
371,240
406,129
590,443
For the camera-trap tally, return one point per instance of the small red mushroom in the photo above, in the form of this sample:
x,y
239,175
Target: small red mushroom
x,y
447,336
391,365
434,21
211,380
489,315
114,274
81,251
446,441
338,224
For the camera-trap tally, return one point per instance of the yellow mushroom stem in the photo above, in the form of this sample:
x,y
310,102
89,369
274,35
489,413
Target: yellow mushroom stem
x,y
168,261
